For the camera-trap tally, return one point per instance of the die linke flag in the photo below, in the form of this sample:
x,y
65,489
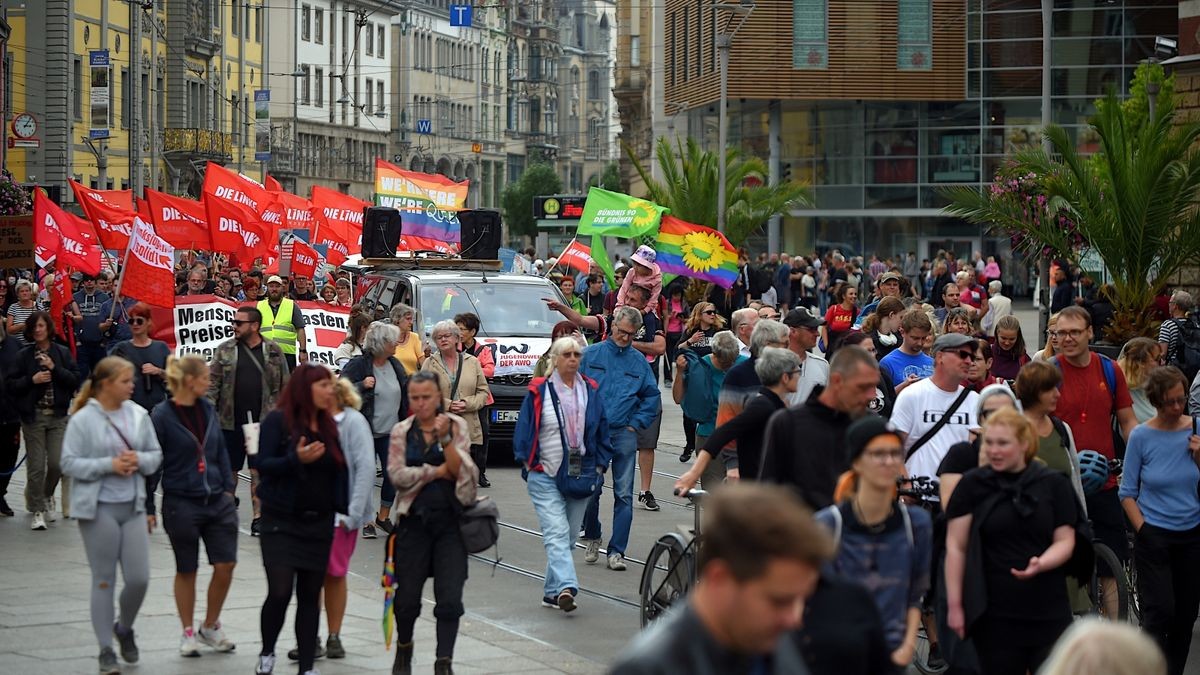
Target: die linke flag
x,y
272,184
113,220
235,229
149,267
231,186
181,222
63,238
304,259
339,218
428,203
577,256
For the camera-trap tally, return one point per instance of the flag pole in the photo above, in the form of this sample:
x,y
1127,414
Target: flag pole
x,y
112,311
560,255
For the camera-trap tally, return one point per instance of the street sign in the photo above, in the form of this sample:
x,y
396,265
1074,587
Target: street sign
x,y
100,94
397,159
262,125
98,57
460,15
424,127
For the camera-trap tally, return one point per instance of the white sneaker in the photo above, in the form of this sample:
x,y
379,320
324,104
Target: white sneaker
x,y
50,511
39,521
266,664
593,551
187,644
215,637
616,562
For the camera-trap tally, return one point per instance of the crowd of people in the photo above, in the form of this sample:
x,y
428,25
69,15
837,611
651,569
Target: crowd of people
x,y
809,395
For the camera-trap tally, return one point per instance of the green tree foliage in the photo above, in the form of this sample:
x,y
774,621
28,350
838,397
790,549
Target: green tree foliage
x,y
610,179
1135,203
538,179
689,188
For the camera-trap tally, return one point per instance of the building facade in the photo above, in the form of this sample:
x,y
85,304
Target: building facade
x,y
330,111
879,105
182,94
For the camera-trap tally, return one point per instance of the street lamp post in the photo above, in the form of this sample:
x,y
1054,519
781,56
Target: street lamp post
x,y
742,11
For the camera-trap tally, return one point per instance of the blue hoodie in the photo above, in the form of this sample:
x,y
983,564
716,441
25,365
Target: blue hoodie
x,y
631,396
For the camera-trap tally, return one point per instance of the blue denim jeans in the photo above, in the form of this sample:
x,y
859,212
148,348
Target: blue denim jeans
x,y
624,442
559,517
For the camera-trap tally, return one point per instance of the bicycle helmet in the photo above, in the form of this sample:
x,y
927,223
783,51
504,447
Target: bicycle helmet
x,y
1093,471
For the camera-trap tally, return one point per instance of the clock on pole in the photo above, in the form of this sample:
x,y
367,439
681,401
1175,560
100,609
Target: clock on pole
x,y
24,129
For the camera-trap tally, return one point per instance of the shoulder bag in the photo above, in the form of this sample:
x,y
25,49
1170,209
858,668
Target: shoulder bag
x,y
573,484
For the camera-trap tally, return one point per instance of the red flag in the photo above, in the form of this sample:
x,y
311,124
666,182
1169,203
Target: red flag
x,y
113,222
234,228
343,214
234,187
63,237
411,243
273,218
304,260
183,223
122,199
273,185
60,298
149,273
143,209
577,256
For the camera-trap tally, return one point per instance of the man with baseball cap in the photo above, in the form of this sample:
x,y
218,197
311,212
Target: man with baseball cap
x,y
934,413
802,337
283,323
887,285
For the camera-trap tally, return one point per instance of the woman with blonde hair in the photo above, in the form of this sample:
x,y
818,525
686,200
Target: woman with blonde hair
x,y
1097,647
198,485
108,442
1138,357
1051,347
1010,534
882,325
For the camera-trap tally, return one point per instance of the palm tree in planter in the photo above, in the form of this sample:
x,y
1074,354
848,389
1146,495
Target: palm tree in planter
x,y
1134,204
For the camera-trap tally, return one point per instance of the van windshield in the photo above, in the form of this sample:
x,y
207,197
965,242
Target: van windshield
x,y
504,310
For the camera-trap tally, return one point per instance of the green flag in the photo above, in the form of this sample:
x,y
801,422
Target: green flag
x,y
613,214
600,257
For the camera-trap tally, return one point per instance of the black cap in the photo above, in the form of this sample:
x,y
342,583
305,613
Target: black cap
x,y
800,317
862,431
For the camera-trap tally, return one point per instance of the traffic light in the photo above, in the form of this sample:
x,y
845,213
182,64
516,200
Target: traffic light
x,y
785,172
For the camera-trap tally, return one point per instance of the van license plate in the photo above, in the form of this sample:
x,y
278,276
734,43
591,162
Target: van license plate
x,y
505,415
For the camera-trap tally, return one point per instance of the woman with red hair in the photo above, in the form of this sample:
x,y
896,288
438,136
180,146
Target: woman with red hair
x,y
304,483
148,356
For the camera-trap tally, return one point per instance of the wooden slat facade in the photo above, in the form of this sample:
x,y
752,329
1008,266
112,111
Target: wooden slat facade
x,y
862,45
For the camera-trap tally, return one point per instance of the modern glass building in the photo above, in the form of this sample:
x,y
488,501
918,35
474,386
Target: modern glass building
x,y
876,165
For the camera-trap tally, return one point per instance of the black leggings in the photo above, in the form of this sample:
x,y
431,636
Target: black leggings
x,y
280,581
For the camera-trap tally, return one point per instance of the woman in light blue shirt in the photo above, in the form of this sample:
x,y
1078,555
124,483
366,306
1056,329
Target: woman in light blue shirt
x,y
1159,494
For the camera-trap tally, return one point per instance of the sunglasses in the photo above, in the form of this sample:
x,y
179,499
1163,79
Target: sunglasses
x,y
239,322
574,355
137,321
966,356
709,311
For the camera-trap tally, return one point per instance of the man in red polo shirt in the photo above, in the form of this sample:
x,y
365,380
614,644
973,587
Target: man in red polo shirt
x,y
1088,405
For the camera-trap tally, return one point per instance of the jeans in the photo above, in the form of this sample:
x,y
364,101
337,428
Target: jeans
x,y
387,493
88,355
559,517
624,443
43,459
1170,592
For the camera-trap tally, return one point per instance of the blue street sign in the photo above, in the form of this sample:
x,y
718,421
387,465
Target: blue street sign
x,y
98,57
424,127
460,15
95,134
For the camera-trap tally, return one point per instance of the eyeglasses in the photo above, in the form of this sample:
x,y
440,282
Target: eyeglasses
x,y
137,321
1073,334
573,355
623,333
448,336
1169,402
966,356
884,456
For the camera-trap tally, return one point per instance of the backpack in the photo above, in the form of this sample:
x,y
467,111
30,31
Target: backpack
x,y
699,401
836,513
1187,351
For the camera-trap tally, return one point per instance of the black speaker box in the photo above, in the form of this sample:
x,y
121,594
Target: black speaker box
x,y
480,234
381,232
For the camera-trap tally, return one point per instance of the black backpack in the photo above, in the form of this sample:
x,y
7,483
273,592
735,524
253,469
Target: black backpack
x,y
1187,352
761,280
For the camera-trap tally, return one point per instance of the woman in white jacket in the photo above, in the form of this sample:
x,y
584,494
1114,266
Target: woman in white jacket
x,y
108,447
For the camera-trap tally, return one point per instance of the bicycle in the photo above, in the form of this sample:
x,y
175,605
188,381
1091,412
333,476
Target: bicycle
x,y
1128,602
670,570
923,489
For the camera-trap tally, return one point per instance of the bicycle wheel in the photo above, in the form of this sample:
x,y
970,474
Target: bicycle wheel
x,y
1096,589
667,576
921,656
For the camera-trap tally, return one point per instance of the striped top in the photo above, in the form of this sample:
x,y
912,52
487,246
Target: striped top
x,y
19,315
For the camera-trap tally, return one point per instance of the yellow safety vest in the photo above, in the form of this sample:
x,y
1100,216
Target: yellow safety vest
x,y
278,327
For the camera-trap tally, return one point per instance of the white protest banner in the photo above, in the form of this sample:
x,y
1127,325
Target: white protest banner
x,y
515,356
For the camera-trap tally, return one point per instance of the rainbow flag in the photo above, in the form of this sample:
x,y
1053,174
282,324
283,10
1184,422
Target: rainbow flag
x,y
695,251
428,204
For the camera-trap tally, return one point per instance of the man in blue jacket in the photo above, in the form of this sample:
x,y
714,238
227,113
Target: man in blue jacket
x,y
631,401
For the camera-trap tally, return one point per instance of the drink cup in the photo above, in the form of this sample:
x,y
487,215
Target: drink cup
x,y
250,432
